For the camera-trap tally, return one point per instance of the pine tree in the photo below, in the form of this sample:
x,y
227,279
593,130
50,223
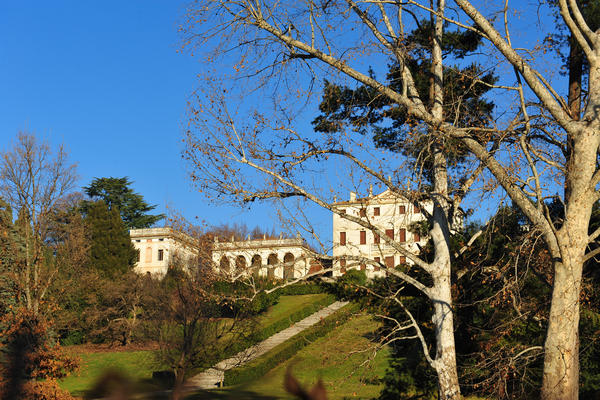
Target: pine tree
x,y
111,250
116,193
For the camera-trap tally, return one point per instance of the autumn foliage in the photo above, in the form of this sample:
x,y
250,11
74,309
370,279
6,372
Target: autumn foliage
x,y
31,361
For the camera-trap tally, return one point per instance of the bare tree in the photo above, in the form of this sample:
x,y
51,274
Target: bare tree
x,y
32,180
543,141
191,329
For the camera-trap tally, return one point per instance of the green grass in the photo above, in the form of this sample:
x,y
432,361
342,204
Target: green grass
x,y
287,305
329,358
137,366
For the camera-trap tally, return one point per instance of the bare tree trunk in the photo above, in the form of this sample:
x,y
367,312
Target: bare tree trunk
x,y
561,358
445,360
440,293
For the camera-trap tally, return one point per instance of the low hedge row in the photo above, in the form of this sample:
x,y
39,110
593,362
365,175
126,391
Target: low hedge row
x,y
301,288
296,316
280,325
259,367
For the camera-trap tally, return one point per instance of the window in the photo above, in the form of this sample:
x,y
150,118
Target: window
x,y
376,211
402,235
376,238
417,237
416,209
160,255
362,212
363,237
377,261
389,262
138,240
363,266
138,255
402,209
390,233
402,260
342,238
343,265
343,211
161,240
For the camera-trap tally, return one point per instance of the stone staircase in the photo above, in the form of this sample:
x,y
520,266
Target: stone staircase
x,y
213,377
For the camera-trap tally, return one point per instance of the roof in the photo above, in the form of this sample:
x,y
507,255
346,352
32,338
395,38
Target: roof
x,y
166,232
260,244
387,196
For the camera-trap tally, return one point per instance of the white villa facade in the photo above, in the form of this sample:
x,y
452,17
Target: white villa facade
x,y
270,258
157,248
289,258
389,212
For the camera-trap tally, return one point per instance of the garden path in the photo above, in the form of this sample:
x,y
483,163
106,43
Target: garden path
x,y
213,377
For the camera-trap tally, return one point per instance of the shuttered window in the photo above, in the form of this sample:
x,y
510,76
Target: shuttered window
x,y
402,235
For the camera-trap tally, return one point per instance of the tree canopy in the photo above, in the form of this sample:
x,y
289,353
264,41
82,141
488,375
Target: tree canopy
x,y
111,250
117,194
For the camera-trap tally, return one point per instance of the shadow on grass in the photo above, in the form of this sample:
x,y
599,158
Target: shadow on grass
x,y
237,394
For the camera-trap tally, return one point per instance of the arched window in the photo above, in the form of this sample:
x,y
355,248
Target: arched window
x,y
288,266
240,264
224,264
256,265
272,261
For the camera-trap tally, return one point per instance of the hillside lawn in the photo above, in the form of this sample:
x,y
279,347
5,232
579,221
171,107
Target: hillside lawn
x,y
340,359
139,365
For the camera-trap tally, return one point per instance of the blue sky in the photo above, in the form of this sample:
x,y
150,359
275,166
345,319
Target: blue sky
x,y
107,80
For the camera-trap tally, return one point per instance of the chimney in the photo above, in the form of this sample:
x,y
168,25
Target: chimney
x,y
352,196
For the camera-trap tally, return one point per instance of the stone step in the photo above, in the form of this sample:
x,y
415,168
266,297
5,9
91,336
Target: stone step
x,y
213,377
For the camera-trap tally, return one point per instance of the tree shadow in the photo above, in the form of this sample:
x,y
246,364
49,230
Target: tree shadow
x,y
229,394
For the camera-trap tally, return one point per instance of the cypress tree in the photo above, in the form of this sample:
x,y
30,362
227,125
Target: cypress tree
x,y
111,250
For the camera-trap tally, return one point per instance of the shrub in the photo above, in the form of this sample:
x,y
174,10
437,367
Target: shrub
x,y
164,379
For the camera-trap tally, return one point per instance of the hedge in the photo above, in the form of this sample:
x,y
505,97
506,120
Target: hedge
x,y
259,367
301,288
279,325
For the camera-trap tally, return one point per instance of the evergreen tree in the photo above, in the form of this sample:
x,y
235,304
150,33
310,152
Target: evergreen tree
x,y
111,250
10,245
365,110
117,194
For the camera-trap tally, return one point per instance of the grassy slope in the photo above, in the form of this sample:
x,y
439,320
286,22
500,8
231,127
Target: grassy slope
x,y
138,365
135,365
330,359
287,305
